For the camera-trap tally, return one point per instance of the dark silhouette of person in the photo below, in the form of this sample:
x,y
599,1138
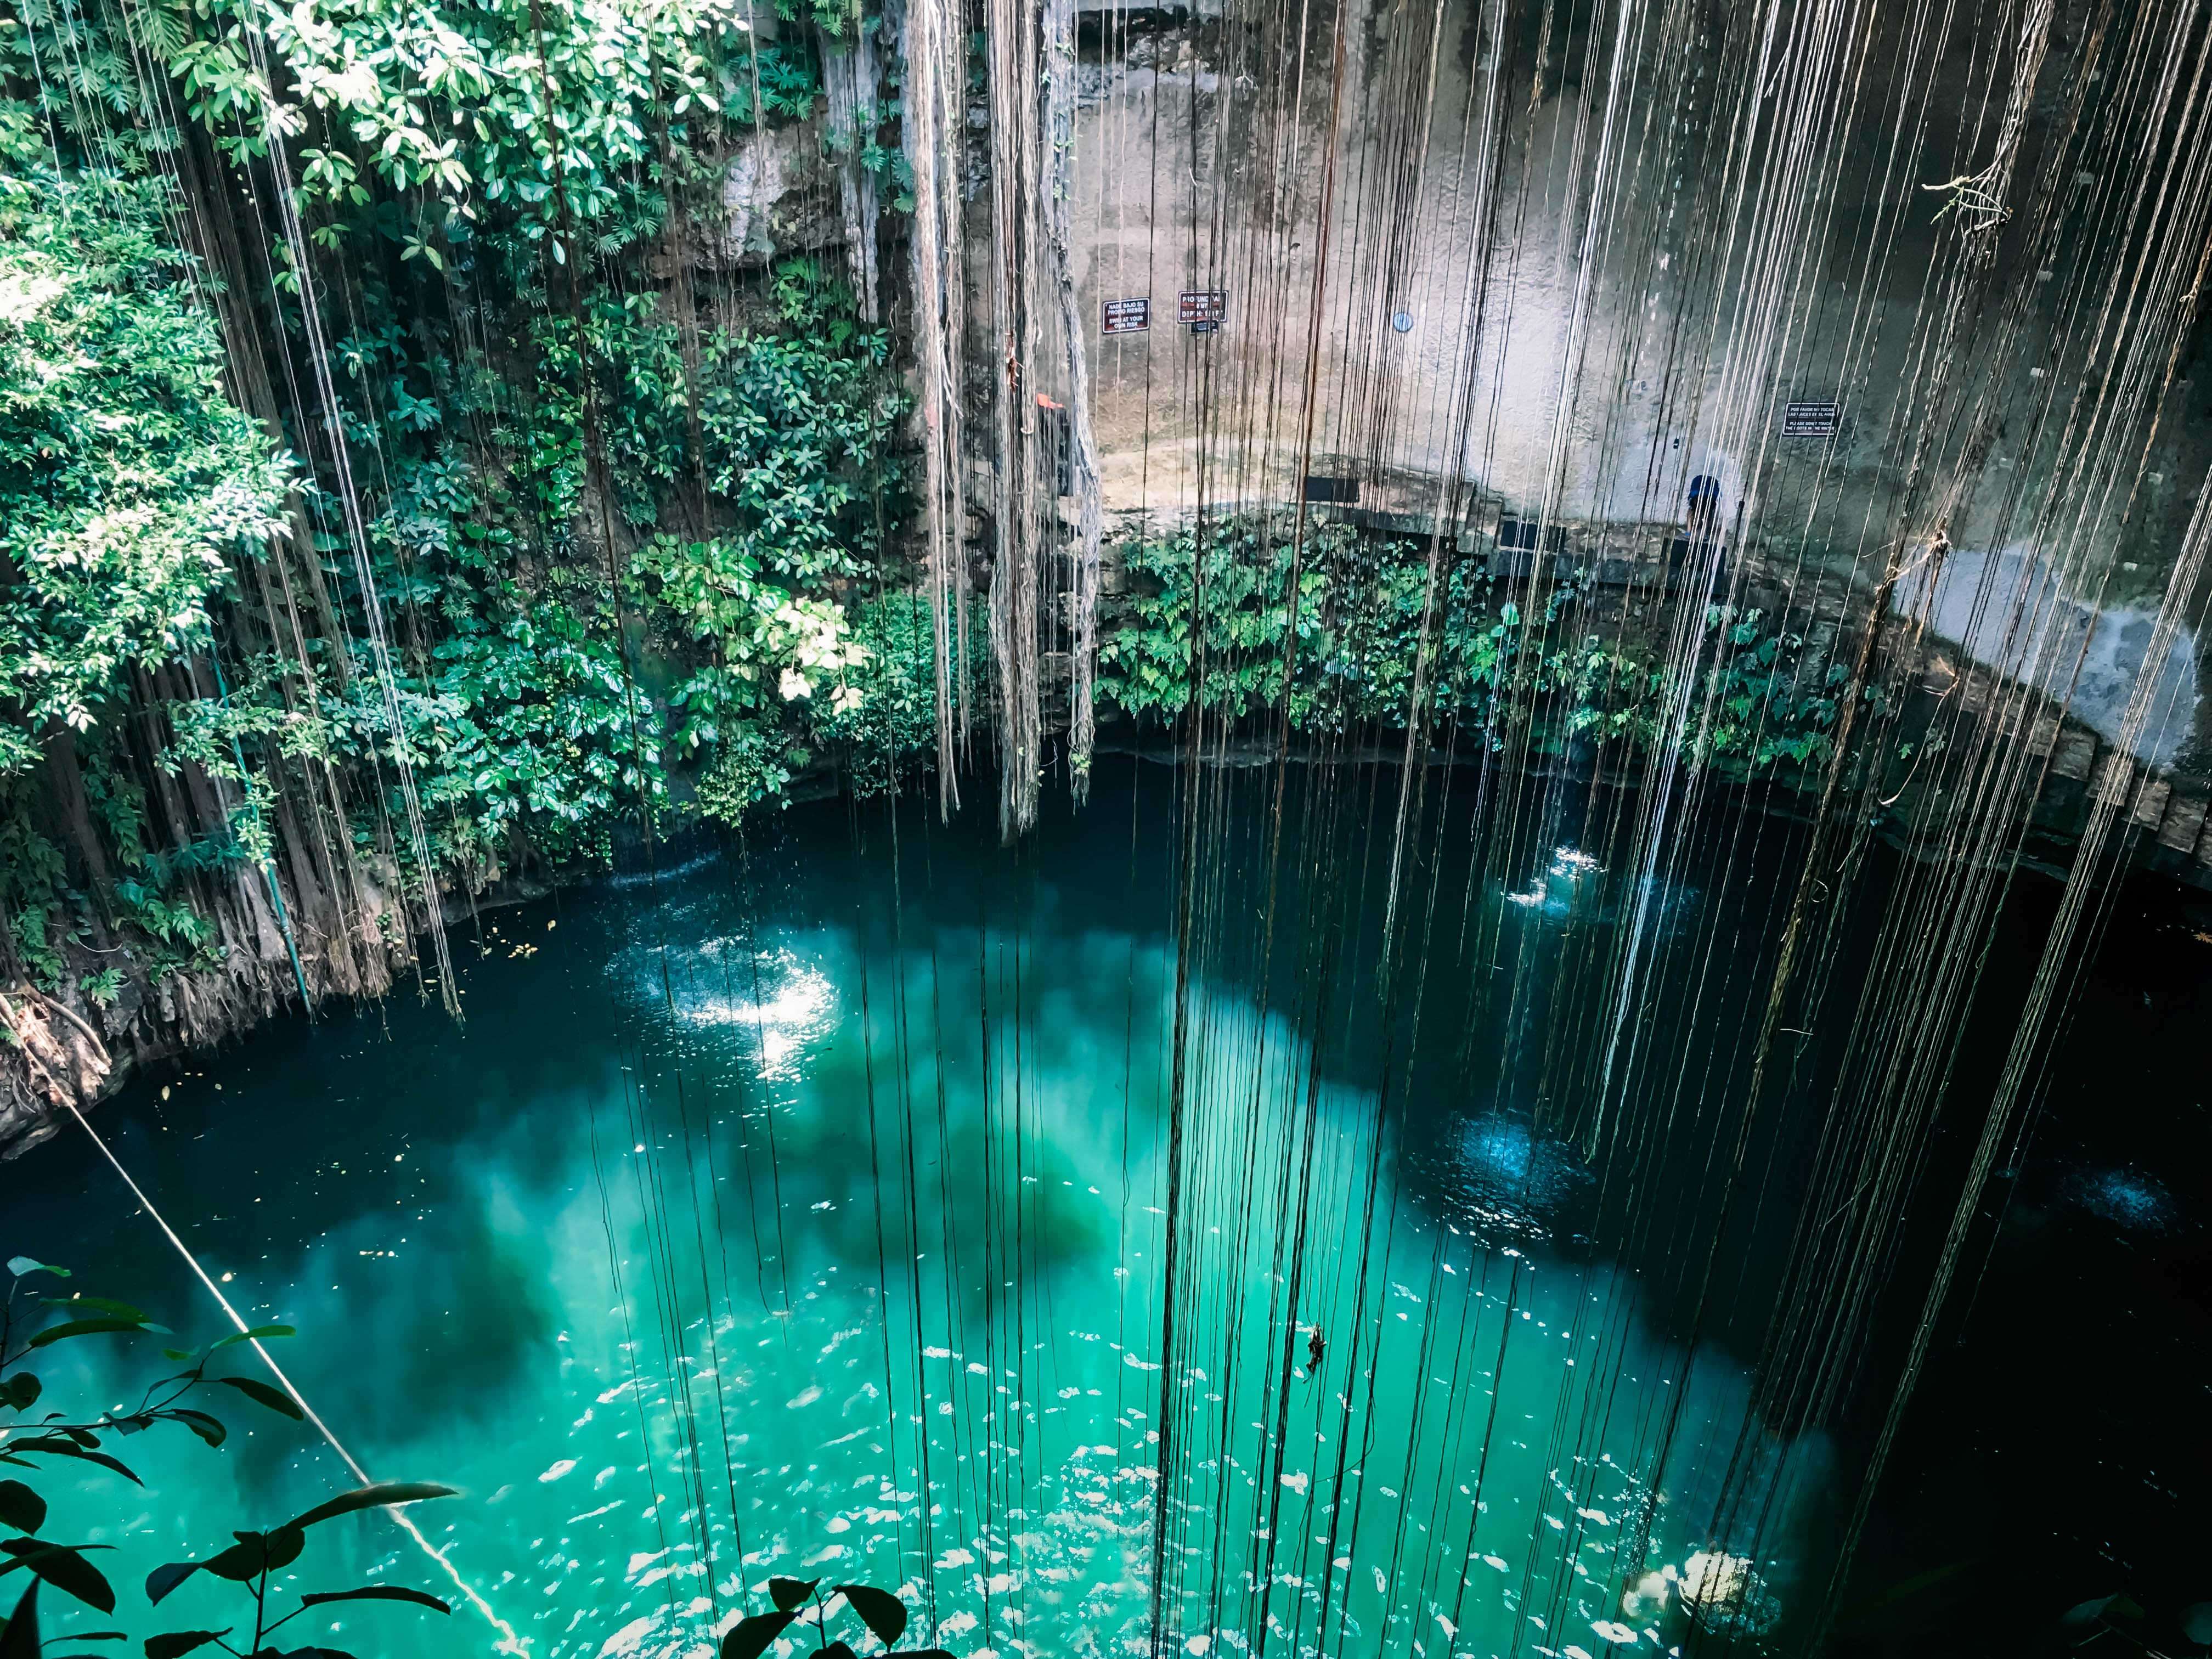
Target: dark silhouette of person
x,y
1314,1344
1705,507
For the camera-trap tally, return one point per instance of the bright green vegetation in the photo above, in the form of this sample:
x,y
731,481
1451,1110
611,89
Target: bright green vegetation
x,y
374,387
46,1443
1762,703
406,484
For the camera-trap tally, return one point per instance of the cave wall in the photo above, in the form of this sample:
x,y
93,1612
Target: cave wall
x,y
1615,269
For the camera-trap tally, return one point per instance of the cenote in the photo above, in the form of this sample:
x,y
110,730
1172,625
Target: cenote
x,y
801,1205
1248,829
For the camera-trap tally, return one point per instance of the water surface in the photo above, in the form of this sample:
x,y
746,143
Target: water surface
x,y
801,1208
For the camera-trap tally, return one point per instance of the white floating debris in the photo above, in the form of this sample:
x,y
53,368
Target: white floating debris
x,y
629,1638
558,1469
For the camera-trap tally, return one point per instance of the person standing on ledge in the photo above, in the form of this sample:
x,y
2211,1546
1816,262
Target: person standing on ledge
x,y
1704,508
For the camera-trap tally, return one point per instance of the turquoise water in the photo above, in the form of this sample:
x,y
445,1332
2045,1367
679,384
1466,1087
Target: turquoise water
x,y
804,1210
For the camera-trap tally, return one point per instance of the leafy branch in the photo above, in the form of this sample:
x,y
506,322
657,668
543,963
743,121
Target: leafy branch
x,y
883,1613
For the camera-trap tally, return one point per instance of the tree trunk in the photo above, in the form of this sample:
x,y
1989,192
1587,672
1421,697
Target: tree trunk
x,y
65,776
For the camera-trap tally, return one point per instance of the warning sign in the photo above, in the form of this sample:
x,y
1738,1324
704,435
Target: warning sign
x,y
1208,305
1811,420
1127,316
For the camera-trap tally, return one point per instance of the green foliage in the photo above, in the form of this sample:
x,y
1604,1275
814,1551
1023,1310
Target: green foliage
x,y
472,181
886,719
540,738
452,102
37,951
1775,700
43,1443
127,479
1359,615
882,1613
249,1561
1765,701
749,767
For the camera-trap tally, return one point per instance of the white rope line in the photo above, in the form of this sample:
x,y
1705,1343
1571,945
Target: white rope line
x,y
509,1641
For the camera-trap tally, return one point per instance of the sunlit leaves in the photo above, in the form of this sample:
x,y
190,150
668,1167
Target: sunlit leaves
x,y
127,478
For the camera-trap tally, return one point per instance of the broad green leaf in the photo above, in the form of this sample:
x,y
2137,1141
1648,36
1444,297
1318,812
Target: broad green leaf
x,y
383,1494
63,1567
101,1305
879,1610
257,1334
19,1637
163,1579
70,1328
749,1637
377,1593
23,1390
262,1394
56,1445
257,1553
23,1267
789,1593
207,1428
180,1642
22,1508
